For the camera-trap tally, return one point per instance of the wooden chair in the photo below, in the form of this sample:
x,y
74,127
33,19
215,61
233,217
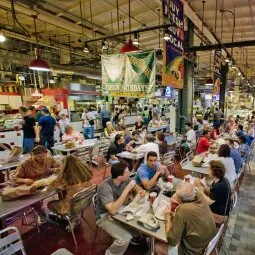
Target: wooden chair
x,y
11,243
80,202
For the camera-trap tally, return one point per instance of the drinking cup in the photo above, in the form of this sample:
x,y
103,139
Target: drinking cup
x,y
187,178
153,196
170,178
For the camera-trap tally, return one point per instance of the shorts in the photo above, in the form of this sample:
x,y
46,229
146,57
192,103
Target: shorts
x,y
172,250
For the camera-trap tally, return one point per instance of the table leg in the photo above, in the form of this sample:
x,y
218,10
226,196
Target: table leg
x,y
152,245
8,174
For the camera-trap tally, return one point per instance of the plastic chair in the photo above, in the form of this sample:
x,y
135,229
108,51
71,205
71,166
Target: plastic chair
x,y
190,155
247,162
80,202
12,243
168,159
184,162
213,243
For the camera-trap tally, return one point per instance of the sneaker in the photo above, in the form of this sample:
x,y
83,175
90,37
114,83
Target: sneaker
x,y
136,240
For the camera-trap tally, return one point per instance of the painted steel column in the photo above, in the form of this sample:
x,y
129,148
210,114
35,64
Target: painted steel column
x,y
224,73
185,100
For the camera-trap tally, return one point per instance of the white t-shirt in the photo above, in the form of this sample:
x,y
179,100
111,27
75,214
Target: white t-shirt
x,y
147,147
87,117
191,136
230,169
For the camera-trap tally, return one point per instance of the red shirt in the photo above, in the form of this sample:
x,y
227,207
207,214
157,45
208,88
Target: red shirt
x,y
203,145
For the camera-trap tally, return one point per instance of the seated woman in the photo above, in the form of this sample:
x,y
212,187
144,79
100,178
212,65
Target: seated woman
x,y
38,166
139,124
109,131
120,126
218,195
154,122
75,177
162,121
72,135
162,144
143,134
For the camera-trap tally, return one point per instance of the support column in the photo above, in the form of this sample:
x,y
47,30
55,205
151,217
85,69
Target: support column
x,y
224,73
185,100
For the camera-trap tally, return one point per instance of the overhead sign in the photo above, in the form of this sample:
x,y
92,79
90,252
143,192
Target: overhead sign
x,y
173,56
128,75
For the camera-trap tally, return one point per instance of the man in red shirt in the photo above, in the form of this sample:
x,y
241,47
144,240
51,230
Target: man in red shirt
x,y
203,143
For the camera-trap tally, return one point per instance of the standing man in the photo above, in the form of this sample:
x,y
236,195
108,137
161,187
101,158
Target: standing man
x,y
88,118
46,126
113,193
105,116
30,130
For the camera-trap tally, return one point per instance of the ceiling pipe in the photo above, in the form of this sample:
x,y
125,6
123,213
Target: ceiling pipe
x,y
131,32
217,46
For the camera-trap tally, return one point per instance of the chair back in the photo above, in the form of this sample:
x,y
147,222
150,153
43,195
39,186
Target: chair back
x,y
213,243
12,243
233,200
190,155
84,154
82,199
184,161
168,158
94,202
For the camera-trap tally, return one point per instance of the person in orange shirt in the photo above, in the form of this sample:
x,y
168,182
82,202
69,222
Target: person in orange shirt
x,y
203,143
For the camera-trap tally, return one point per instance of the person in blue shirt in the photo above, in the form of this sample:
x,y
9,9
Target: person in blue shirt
x,y
148,173
46,126
240,130
235,155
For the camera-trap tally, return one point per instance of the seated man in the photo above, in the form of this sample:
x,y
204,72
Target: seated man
x,y
38,166
112,194
192,226
148,173
134,139
149,145
116,147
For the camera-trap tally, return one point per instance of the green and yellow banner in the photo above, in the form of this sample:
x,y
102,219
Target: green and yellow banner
x,y
129,75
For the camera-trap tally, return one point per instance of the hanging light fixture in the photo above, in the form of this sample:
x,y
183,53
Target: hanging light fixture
x,y
209,82
2,37
38,63
104,45
86,49
129,46
166,36
136,39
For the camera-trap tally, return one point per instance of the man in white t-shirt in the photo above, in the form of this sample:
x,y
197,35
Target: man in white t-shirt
x,y
88,118
150,145
191,135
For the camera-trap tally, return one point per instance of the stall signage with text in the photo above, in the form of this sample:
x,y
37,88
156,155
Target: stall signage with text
x,y
128,75
173,57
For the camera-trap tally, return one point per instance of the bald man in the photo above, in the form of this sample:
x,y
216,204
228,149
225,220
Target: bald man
x,y
192,226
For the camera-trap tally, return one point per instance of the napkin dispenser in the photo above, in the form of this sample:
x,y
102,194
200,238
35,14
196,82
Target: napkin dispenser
x,y
197,161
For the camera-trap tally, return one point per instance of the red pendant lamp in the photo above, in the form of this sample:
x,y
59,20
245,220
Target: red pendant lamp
x,y
129,46
38,63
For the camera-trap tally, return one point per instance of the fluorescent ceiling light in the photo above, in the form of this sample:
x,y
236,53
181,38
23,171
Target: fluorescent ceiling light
x,y
2,37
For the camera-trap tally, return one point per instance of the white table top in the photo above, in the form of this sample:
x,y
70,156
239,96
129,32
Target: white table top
x,y
171,140
188,166
153,129
130,155
9,165
87,143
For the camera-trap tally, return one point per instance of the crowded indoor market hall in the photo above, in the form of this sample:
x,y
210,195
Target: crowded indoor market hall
x,y
127,127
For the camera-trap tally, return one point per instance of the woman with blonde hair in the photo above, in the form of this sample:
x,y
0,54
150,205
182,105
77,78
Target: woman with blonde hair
x,y
74,177
109,131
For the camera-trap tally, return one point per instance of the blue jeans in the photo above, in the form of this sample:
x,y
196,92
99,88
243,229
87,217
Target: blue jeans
x,y
89,130
28,144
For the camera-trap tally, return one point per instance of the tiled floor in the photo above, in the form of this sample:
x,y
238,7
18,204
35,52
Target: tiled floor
x,y
239,238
